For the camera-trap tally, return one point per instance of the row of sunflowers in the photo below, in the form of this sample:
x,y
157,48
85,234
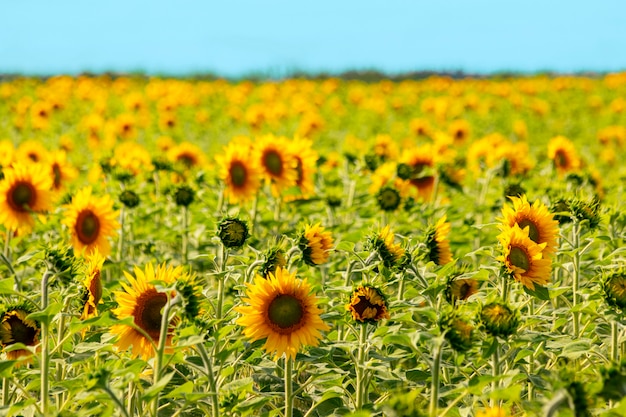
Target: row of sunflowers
x,y
312,247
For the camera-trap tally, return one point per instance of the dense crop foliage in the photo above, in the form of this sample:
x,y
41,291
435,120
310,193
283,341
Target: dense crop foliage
x,y
313,248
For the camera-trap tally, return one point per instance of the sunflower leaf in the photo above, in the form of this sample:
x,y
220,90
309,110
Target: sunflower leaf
x,y
152,392
540,292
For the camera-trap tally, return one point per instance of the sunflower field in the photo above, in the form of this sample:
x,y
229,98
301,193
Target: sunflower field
x,y
329,247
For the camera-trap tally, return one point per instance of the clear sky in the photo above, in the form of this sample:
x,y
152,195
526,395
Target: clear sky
x,y
275,37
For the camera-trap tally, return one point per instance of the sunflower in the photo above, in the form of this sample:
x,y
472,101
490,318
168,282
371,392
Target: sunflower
x,y
523,258
62,170
499,319
187,154
459,130
421,161
368,305
306,165
91,221
7,151
25,189
281,310
143,302
93,285
438,244
542,228
31,150
493,412
315,244
277,162
16,328
391,253
563,154
460,289
239,171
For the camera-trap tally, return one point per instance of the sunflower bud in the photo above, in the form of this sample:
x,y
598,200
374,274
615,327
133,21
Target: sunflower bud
x,y
458,332
368,305
233,232
404,171
383,243
129,198
514,190
184,196
586,210
315,244
614,287
388,198
561,210
499,319
190,299
274,258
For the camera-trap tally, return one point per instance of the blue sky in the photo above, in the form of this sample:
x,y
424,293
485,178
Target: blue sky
x,y
235,38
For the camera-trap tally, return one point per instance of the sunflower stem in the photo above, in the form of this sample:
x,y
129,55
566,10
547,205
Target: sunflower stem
x,y
288,387
158,360
361,389
255,206
277,207
220,282
120,241
60,367
115,399
185,235
7,243
615,342
435,372
401,288
505,288
531,358
576,277
45,359
5,391
215,409
129,398
496,371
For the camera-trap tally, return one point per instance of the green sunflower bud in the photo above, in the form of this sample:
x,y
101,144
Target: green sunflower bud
x,y
129,198
388,198
614,287
184,196
458,332
499,319
233,232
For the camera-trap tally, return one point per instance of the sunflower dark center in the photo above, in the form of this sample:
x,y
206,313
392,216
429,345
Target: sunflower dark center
x,y
22,196
149,315
238,174
560,158
519,258
533,231
21,332
465,290
95,287
300,171
285,311
187,159
56,172
87,227
459,134
363,305
273,162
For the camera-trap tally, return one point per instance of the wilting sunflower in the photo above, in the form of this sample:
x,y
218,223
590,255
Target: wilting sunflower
x,y
143,302
542,228
239,171
92,221
315,244
438,244
281,310
277,162
25,190
391,253
523,258
16,328
368,305
93,285
563,154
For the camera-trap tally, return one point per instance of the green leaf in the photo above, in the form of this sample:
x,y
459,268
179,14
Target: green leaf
x,y
5,369
417,376
152,392
6,286
540,292
46,316
509,393
186,388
